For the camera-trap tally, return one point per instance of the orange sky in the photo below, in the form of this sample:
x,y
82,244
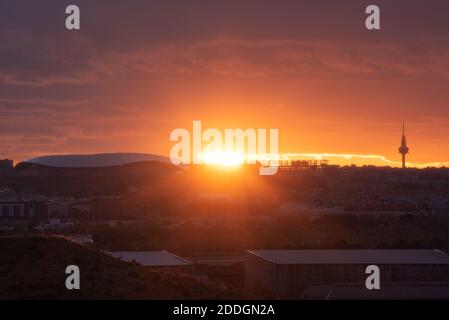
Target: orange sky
x,y
135,72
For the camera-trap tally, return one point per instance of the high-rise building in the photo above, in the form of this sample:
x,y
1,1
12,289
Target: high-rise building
x,y
6,168
403,149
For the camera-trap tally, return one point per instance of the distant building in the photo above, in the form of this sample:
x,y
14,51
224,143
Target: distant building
x,y
287,273
315,166
7,195
53,225
115,209
83,239
161,260
27,210
6,168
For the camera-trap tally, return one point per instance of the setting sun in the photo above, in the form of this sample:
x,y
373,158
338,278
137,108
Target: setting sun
x,y
226,159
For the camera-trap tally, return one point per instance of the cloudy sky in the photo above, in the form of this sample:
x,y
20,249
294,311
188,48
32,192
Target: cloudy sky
x,y
138,69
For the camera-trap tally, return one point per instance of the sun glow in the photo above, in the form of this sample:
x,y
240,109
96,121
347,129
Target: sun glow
x,y
225,159
236,159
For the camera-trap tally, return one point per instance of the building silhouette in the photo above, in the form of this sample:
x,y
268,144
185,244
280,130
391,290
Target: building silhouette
x,y
292,274
403,149
6,168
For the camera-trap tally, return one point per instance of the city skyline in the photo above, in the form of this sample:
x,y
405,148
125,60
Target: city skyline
x,y
335,158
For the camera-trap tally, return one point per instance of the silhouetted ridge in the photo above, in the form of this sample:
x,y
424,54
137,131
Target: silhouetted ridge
x,y
34,268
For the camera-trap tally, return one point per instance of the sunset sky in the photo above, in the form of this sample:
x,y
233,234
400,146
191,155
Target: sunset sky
x,y
139,69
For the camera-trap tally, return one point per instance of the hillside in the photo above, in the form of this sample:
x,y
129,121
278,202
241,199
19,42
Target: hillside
x,y
34,268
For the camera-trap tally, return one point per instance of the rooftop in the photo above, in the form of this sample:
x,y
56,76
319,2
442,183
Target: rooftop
x,y
353,256
151,258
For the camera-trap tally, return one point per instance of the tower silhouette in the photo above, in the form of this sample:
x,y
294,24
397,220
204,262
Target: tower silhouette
x,y
403,149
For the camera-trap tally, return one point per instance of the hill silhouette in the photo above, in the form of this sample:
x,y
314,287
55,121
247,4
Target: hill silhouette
x,y
34,268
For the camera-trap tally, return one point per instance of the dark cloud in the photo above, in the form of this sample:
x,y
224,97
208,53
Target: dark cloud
x,y
120,76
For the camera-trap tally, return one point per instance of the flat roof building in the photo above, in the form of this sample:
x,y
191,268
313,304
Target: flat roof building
x,y
162,260
287,273
6,168
23,210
